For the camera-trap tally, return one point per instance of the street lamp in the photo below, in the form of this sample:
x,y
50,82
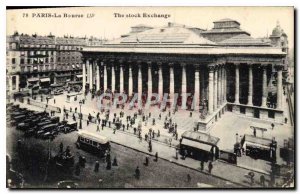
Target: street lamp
x,y
80,116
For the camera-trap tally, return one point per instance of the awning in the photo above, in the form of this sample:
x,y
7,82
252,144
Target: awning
x,y
195,144
34,79
79,76
45,80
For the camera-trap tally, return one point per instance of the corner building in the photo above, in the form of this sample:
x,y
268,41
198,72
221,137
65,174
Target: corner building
x,y
224,68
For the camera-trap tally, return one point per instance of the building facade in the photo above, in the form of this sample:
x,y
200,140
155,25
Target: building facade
x,y
44,60
229,71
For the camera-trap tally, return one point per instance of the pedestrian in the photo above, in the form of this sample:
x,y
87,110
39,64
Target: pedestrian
x,y
254,132
137,173
285,120
114,131
272,125
54,101
210,167
150,146
115,162
96,169
176,154
109,123
102,126
191,114
127,126
134,131
262,180
146,161
61,147
87,122
202,165
189,178
98,128
123,127
251,175
156,157
158,133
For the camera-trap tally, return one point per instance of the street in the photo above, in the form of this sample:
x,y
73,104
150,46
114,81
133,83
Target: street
x,y
161,174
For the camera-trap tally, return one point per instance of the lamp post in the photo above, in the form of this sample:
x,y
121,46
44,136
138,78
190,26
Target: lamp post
x,y
80,116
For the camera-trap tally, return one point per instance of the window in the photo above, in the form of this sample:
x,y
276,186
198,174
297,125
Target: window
x,y
242,110
46,60
94,143
28,68
22,53
87,140
22,68
13,61
51,60
28,61
271,114
22,61
13,45
58,59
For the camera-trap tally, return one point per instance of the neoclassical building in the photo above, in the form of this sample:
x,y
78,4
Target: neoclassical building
x,y
225,69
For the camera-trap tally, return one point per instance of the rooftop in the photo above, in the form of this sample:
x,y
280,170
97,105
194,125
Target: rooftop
x,y
243,40
164,35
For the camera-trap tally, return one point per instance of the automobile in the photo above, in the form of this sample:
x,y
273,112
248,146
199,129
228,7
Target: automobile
x,y
30,132
47,135
58,91
45,129
54,119
23,126
70,126
44,91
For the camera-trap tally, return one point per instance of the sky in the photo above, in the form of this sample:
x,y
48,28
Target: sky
x,y
258,21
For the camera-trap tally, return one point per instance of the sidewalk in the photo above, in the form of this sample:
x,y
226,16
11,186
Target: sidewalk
x,y
222,170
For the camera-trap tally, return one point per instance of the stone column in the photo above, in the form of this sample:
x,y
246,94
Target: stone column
x,y
211,88
197,89
264,87
121,79
279,86
104,78
237,84
113,78
160,81
219,100
216,88
97,77
183,80
250,88
84,75
172,85
130,82
149,80
202,86
88,72
91,75
140,86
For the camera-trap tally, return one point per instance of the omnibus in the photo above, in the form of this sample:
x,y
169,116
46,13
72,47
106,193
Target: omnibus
x,y
94,143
